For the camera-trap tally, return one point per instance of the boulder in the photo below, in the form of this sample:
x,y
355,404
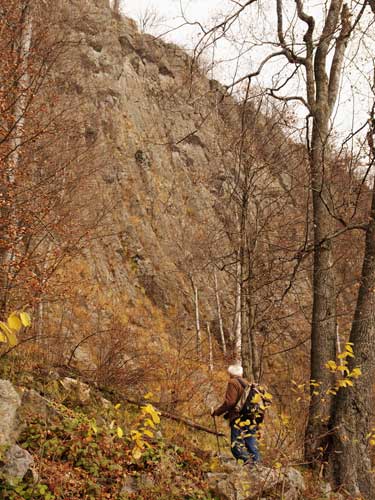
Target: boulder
x,y
9,404
80,390
34,403
246,483
17,462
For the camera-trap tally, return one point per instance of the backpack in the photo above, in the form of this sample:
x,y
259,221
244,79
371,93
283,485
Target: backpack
x,y
253,402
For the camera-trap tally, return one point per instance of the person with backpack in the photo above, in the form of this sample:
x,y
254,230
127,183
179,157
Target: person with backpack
x,y
243,406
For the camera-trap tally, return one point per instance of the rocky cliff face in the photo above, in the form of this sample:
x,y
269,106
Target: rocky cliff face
x,y
161,139
160,159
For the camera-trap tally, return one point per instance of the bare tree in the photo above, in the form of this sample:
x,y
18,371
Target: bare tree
x,y
313,48
149,20
351,420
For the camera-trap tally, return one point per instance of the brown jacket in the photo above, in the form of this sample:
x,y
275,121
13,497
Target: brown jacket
x,y
232,395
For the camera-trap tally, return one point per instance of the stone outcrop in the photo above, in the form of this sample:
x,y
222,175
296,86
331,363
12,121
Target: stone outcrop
x,y
245,483
16,461
10,402
160,161
157,132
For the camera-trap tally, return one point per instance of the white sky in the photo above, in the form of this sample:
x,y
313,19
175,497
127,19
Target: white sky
x,y
354,102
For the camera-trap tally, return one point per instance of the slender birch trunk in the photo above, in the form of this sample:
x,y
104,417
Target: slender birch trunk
x,y
220,319
210,351
198,338
237,326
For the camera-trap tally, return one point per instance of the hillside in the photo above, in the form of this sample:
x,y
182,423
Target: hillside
x,y
157,226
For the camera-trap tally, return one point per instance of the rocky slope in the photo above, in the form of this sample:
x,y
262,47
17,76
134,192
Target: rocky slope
x,y
162,143
160,160
70,447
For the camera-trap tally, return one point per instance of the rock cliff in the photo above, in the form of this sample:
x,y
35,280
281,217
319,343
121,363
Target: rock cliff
x,y
159,138
162,141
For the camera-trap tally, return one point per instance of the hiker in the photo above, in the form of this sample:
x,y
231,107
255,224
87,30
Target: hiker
x,y
242,435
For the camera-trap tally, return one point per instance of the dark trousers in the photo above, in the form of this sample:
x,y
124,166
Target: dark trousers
x,y
243,442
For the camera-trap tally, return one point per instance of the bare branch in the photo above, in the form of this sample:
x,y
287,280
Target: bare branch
x,y
249,76
299,98
223,26
289,53
337,62
308,39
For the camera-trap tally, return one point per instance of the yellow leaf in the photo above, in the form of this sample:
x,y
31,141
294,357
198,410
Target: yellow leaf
x,y
10,335
148,433
278,465
267,395
343,369
14,322
152,412
3,338
356,372
120,432
257,398
331,365
118,406
25,318
12,339
343,355
136,453
149,395
372,442
344,382
331,391
285,419
140,443
149,423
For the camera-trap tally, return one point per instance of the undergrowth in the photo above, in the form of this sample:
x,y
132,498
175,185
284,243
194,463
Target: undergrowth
x,y
87,452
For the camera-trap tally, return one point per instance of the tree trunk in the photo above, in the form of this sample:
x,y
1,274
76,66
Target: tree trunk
x,y
237,326
210,350
197,320
219,316
116,6
353,406
323,328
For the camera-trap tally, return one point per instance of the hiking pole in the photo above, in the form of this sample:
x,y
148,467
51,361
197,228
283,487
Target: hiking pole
x,y
217,438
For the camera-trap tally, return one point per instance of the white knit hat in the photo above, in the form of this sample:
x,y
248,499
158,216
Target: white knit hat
x,y
235,370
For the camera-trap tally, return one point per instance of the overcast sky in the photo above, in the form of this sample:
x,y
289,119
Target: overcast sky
x,y
354,103
172,11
